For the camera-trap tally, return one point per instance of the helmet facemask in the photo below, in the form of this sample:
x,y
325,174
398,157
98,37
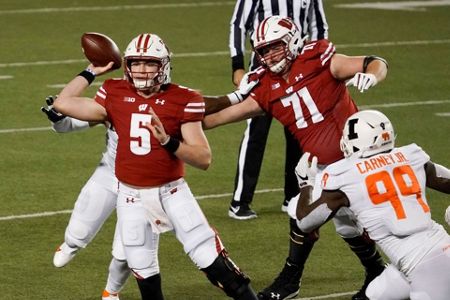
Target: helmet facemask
x,y
279,49
148,48
146,80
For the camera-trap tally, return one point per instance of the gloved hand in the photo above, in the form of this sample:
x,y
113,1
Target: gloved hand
x,y
447,215
248,82
362,81
51,113
306,173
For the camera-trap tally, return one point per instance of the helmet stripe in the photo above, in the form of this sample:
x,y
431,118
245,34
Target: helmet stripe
x,y
138,46
260,33
147,39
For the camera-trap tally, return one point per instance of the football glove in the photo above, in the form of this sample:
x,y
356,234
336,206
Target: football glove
x,y
248,82
447,215
53,115
306,172
362,81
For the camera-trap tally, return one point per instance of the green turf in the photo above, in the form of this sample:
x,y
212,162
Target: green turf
x,y
42,171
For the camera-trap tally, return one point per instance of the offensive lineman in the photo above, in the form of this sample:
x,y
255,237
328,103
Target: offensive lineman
x,y
385,187
303,86
159,128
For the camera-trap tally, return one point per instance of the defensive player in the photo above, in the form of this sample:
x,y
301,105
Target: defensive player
x,y
94,205
385,187
303,86
159,128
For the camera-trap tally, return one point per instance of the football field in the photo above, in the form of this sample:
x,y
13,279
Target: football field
x,y
42,172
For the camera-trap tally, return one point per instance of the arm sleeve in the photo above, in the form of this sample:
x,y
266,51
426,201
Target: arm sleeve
x,y
69,124
240,26
318,26
315,218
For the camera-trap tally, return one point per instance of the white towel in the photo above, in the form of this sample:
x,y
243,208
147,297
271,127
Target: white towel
x,y
157,216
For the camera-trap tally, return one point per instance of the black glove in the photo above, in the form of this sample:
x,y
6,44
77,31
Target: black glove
x,y
51,113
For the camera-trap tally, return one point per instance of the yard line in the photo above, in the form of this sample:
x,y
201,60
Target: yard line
x,y
114,8
402,5
68,211
36,215
25,129
400,104
223,53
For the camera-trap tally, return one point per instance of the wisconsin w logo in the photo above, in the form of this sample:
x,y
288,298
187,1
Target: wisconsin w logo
x,y
143,107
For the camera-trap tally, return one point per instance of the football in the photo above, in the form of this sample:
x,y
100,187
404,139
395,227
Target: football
x,y
99,49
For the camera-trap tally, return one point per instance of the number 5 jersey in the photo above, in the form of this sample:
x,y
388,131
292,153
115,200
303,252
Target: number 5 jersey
x,y
141,160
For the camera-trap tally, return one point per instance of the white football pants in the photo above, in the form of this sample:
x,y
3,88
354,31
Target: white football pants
x,y
429,280
94,205
140,243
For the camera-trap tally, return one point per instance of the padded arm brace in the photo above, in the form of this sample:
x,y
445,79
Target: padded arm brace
x,y
69,124
315,218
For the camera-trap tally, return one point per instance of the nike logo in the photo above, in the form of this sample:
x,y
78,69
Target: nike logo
x,y
234,209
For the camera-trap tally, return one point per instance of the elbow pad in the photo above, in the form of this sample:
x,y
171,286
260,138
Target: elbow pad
x,y
69,124
370,58
441,171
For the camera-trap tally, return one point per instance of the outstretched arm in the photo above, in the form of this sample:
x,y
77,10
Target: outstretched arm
x,y
247,109
71,103
364,71
214,104
313,215
438,177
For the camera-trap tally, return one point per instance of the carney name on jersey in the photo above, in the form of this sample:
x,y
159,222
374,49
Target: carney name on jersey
x,y
141,160
313,104
387,194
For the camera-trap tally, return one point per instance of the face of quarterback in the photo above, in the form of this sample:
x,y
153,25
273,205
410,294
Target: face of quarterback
x,y
143,74
275,58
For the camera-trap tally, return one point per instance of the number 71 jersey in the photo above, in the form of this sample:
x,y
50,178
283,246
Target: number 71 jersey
x,y
313,104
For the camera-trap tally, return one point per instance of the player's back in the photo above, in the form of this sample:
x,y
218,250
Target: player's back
x,y
387,194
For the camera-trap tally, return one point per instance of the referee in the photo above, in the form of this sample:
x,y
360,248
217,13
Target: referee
x,y
309,16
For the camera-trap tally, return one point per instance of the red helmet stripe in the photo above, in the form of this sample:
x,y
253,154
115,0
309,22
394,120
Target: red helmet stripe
x,y
260,33
138,46
147,39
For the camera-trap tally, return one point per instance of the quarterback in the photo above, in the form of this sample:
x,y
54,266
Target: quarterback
x,y
388,198
158,124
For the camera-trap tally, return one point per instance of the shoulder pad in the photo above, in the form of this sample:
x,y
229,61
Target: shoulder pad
x,y
339,167
323,49
415,152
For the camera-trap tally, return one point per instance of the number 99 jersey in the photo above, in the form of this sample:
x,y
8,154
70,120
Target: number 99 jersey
x,y
387,195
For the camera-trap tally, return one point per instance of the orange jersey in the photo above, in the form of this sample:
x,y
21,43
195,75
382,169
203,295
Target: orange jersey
x,y
141,160
313,105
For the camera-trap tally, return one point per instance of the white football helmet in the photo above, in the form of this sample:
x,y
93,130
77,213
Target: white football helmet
x,y
366,133
273,31
148,46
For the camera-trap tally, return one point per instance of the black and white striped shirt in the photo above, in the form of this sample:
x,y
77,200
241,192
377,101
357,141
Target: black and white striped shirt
x,y
308,15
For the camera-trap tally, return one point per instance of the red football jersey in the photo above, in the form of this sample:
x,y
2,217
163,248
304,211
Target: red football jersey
x,y
313,105
141,160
